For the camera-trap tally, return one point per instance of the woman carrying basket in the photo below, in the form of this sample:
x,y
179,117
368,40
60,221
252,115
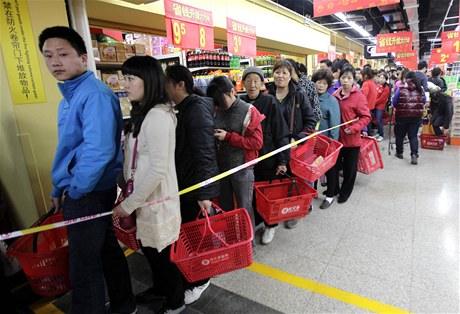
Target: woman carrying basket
x,y
153,129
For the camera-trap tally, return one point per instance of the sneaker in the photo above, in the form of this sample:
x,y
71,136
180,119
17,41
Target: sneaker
x,y
191,295
267,236
400,156
166,310
413,159
148,296
291,224
379,138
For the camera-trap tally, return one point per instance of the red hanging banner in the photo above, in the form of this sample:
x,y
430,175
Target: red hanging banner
x,y
241,38
401,56
450,42
394,42
439,56
188,27
329,7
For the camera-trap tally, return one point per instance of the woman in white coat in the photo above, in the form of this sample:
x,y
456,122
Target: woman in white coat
x,y
153,125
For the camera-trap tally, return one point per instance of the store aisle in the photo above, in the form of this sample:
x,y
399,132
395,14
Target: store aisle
x,y
394,246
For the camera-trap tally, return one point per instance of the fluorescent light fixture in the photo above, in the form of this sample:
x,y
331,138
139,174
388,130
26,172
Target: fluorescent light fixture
x,y
434,39
355,26
411,6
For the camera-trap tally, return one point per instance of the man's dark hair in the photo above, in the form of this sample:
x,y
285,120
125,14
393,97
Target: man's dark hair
x,y
327,62
177,73
65,33
323,74
436,72
422,64
338,64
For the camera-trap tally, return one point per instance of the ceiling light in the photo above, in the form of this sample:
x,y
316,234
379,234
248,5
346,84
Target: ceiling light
x,y
355,26
434,39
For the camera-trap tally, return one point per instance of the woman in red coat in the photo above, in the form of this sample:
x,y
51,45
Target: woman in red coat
x,y
353,104
383,93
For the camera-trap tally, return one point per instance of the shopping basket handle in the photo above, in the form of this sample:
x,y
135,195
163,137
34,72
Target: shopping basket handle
x,y
207,225
38,223
294,183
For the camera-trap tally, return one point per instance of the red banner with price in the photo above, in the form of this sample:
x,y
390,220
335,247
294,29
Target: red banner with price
x,y
329,7
439,56
394,42
450,42
241,38
188,27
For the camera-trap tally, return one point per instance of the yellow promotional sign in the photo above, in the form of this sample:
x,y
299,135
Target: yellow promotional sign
x,y
20,53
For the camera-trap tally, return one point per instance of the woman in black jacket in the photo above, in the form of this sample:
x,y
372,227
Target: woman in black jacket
x,y
195,153
441,110
292,96
295,106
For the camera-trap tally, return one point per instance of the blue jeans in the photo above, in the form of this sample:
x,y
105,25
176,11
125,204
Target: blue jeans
x,y
378,117
95,255
409,127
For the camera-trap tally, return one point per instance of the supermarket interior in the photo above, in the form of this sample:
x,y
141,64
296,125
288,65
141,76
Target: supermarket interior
x,y
393,247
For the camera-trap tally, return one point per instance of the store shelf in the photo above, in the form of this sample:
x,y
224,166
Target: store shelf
x,y
108,65
212,68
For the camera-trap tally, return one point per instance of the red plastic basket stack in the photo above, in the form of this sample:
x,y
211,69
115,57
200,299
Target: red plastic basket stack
x,y
214,245
47,267
303,157
126,236
432,141
279,201
370,159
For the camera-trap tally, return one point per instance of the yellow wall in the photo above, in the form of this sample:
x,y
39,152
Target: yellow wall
x,y
28,134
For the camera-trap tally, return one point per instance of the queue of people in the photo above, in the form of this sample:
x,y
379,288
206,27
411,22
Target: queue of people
x,y
178,137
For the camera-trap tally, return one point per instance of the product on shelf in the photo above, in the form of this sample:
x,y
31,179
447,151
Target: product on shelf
x,y
198,59
107,53
265,60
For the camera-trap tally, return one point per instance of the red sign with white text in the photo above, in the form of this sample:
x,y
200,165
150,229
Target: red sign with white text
x,y
450,42
439,56
401,56
329,7
241,38
394,42
188,27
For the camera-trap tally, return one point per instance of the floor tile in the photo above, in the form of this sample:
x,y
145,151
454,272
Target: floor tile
x,y
425,301
323,304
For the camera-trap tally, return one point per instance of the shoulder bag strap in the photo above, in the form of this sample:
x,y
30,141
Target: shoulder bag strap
x,y
291,124
133,163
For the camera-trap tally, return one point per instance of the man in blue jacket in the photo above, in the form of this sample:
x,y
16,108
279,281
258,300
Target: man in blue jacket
x,y
87,161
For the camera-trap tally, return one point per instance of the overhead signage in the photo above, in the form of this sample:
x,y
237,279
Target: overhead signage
x,y
370,52
450,42
401,56
188,27
329,7
241,38
394,42
20,53
439,56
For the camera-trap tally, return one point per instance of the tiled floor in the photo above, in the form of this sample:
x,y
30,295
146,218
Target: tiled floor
x,y
396,241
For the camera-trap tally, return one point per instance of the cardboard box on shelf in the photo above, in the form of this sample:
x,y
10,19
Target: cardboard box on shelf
x,y
140,49
122,56
107,53
94,43
97,56
111,79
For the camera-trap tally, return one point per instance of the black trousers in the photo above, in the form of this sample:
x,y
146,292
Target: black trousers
x,y
348,157
190,210
332,176
166,276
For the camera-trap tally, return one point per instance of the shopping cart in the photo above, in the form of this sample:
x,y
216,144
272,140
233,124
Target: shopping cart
x,y
44,257
283,200
214,245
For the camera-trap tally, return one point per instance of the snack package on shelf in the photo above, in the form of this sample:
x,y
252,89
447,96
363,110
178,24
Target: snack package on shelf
x,y
107,53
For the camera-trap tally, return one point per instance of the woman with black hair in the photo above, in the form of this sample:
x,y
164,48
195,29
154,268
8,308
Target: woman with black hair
x,y
409,102
195,153
353,104
239,134
151,136
383,93
441,110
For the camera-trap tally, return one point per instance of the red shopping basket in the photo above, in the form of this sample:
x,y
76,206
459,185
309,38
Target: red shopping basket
x,y
214,245
44,257
370,159
306,160
126,236
287,199
433,141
